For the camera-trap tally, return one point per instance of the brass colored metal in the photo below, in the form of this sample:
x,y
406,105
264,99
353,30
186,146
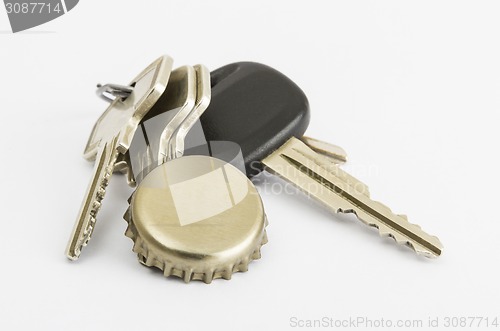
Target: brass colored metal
x,y
181,100
203,96
122,117
326,182
336,153
122,165
163,131
197,218
147,151
111,137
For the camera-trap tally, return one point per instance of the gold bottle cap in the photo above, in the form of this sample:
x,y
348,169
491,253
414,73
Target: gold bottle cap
x,y
198,218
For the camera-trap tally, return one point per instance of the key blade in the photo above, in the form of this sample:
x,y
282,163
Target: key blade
x,y
186,93
203,96
150,145
86,219
326,182
336,153
110,137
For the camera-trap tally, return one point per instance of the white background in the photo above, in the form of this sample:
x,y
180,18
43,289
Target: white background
x,y
411,90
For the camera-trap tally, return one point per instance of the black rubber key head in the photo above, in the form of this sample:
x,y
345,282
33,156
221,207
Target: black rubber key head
x,y
256,107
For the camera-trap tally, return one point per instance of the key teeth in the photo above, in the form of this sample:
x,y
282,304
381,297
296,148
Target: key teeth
x,y
96,206
298,164
146,257
402,240
385,231
399,239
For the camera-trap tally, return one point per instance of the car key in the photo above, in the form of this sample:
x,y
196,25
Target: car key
x,y
266,113
111,137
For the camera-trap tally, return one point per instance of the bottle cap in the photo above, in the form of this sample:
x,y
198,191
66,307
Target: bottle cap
x,y
198,218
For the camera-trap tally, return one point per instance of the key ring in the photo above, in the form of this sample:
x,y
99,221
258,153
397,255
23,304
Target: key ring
x,y
111,92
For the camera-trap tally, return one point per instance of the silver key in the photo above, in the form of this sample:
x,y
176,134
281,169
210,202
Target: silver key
x,y
323,180
151,143
203,95
110,138
177,115
162,136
